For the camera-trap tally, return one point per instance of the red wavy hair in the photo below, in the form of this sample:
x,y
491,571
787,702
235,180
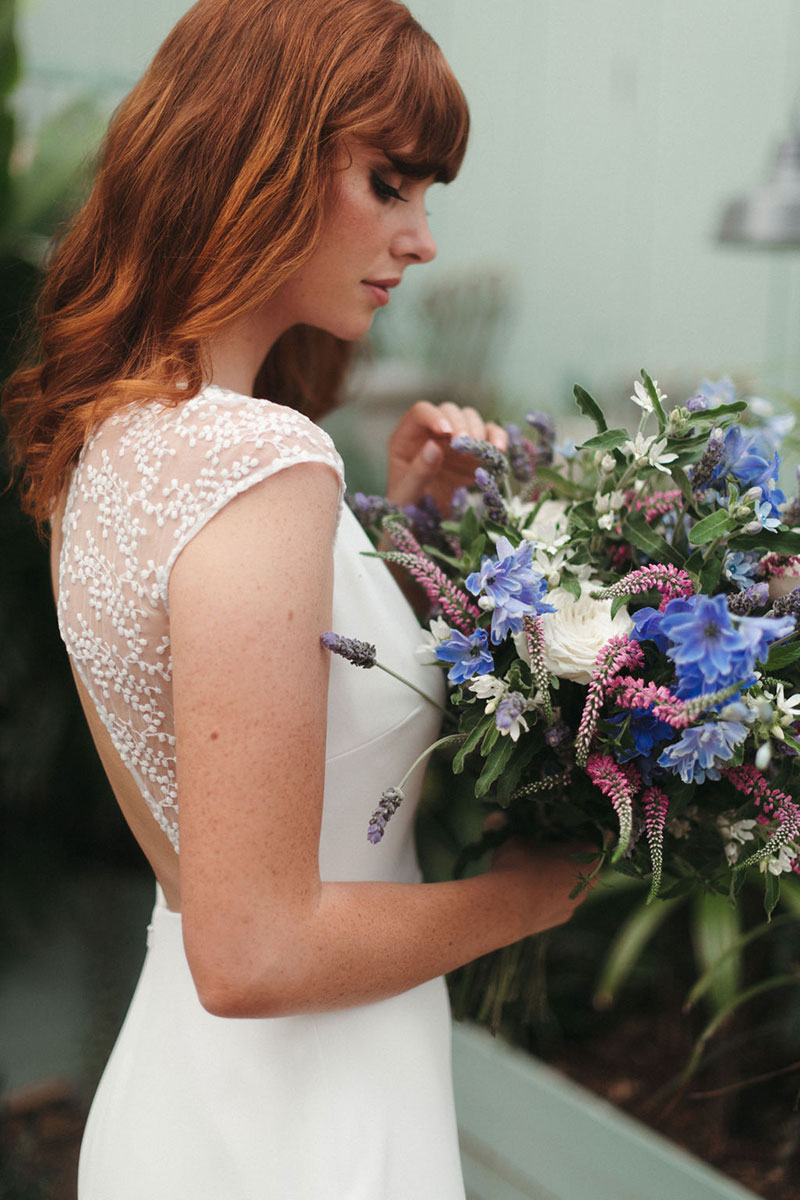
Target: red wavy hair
x,y
211,190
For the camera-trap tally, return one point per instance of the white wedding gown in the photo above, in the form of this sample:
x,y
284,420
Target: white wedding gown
x,y
347,1105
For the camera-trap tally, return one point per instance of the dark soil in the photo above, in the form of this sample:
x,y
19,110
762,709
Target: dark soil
x,y
40,1140
750,1133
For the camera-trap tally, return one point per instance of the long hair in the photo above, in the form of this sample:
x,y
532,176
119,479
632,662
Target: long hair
x,y
211,191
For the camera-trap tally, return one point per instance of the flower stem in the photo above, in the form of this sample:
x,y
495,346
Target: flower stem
x,y
452,739
419,691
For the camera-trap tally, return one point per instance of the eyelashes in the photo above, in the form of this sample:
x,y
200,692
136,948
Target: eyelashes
x,y
383,190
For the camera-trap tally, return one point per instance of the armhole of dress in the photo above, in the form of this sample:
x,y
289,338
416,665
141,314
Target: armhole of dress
x,y
237,489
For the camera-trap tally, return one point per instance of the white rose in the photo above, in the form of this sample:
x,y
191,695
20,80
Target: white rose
x,y
575,634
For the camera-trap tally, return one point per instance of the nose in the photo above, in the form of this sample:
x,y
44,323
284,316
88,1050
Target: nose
x,y
415,242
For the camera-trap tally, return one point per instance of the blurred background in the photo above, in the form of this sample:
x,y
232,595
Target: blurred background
x,y
579,244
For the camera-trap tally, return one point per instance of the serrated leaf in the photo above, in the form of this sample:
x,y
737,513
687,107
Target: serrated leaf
x,y
495,765
715,525
611,439
590,408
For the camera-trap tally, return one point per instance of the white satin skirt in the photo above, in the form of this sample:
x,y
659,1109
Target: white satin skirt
x,y
349,1105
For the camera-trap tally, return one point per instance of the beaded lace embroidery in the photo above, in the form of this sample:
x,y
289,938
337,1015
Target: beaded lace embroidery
x,y
148,479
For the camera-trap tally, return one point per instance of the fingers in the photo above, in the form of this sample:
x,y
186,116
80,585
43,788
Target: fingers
x,y
449,420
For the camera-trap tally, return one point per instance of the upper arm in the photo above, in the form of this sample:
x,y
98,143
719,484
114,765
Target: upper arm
x,y
249,597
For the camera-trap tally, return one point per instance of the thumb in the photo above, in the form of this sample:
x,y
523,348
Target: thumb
x,y
422,468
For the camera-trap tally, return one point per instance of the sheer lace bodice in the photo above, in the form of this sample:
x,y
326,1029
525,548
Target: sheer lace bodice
x,y
147,481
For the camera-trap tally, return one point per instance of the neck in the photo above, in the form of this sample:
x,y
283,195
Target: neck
x,y
238,351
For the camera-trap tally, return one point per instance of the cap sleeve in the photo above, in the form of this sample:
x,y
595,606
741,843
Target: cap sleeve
x,y
194,459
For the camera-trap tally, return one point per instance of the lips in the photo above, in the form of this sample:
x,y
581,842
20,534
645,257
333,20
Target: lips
x,y
379,288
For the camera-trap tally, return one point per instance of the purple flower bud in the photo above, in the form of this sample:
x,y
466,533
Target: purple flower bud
x,y
459,503
697,404
556,734
710,458
391,800
361,654
491,458
742,604
493,505
543,424
370,510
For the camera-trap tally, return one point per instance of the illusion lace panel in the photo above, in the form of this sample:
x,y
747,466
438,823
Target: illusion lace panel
x,y
147,481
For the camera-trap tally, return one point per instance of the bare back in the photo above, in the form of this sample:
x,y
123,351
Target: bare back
x,y
148,479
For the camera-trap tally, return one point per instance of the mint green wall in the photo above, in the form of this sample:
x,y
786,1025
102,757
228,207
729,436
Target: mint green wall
x,y
606,137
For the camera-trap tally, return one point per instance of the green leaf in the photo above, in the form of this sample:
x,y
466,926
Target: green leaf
x,y
715,525
471,743
781,542
626,948
716,928
495,765
527,749
490,737
781,655
590,408
772,892
559,484
611,439
710,416
734,949
644,538
709,576
572,585
616,604
652,392
682,480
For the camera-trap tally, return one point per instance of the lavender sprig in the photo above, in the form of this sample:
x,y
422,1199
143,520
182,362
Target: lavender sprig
x,y
493,505
361,654
787,606
493,460
709,459
742,604
392,797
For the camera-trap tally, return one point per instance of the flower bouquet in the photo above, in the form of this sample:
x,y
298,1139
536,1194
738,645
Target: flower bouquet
x,y
617,622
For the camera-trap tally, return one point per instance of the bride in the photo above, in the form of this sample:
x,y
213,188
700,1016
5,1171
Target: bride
x,y
260,194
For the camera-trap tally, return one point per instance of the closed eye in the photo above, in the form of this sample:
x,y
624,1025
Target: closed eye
x,y
383,190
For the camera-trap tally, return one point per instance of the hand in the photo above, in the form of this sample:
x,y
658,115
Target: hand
x,y
420,459
547,875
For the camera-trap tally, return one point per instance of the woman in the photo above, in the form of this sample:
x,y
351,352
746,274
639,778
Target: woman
x,y
260,193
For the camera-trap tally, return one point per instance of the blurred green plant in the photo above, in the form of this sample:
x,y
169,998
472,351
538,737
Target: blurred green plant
x,y
55,807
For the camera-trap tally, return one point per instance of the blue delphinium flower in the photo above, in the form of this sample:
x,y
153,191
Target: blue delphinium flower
x,y
748,457
741,567
469,655
761,632
703,750
715,392
706,649
646,730
647,623
512,585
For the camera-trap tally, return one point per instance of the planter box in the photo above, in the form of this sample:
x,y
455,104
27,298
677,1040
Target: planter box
x,y
528,1133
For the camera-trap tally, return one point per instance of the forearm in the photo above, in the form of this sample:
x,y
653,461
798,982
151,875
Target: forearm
x,y
362,942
